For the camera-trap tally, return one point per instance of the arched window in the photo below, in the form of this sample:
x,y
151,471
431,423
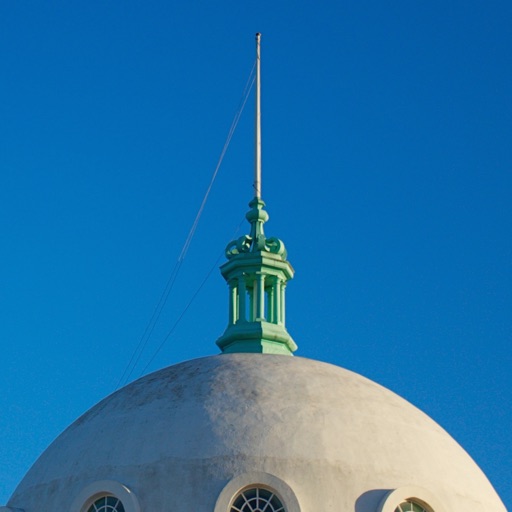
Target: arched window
x,y
257,499
410,498
410,506
257,492
105,496
107,504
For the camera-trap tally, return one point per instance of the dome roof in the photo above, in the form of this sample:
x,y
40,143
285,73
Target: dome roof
x,y
178,437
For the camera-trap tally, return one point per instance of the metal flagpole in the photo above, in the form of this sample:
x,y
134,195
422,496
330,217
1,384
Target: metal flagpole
x,y
257,149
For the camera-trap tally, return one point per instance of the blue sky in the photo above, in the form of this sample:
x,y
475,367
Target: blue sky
x,y
387,171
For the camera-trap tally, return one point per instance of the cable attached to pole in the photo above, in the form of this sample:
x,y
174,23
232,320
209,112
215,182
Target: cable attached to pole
x,y
148,331
192,299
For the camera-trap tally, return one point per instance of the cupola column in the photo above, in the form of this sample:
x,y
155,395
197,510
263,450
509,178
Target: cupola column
x,y
282,287
242,296
260,296
277,301
271,304
233,302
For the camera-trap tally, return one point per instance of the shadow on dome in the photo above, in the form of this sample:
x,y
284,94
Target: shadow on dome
x,y
370,500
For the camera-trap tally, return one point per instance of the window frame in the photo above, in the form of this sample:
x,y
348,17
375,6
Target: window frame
x,y
260,480
419,495
88,495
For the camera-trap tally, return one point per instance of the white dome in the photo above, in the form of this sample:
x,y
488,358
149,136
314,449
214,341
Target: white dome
x,y
178,437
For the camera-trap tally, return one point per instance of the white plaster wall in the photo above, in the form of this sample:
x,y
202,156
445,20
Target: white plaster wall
x,y
177,436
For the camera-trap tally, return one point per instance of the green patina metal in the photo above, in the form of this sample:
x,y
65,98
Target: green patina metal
x,y
257,272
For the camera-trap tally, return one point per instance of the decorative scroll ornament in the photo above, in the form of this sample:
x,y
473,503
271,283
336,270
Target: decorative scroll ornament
x,y
256,241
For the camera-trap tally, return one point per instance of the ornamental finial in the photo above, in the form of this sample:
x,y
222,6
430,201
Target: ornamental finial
x,y
256,216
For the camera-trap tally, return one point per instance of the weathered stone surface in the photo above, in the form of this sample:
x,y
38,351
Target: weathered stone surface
x,y
178,436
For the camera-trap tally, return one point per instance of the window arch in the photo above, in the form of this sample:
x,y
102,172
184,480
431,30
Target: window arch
x,y
256,499
410,499
107,504
257,491
410,506
105,496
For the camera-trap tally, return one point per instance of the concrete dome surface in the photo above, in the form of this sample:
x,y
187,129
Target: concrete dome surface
x,y
177,438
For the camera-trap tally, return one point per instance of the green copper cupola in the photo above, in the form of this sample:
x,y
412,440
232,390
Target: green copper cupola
x,y
257,272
